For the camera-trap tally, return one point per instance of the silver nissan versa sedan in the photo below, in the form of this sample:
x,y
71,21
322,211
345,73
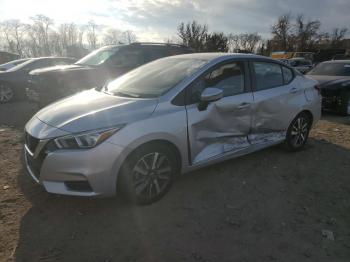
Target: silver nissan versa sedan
x,y
167,117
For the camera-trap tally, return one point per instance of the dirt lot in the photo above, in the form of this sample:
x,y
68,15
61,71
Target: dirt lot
x,y
268,206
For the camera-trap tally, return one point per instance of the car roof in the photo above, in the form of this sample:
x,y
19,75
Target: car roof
x,y
212,56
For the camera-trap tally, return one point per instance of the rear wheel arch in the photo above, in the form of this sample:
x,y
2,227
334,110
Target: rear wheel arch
x,y
308,113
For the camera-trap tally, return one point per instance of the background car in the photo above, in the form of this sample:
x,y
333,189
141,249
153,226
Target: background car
x,y
9,65
14,81
170,116
334,80
96,69
301,64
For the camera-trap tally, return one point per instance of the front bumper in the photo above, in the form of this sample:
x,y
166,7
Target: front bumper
x,y
91,172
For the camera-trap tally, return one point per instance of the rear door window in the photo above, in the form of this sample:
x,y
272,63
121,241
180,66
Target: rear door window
x,y
267,75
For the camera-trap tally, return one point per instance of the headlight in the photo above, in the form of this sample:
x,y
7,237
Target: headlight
x,y
85,140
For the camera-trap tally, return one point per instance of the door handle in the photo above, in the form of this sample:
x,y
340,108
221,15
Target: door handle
x,y
243,105
293,90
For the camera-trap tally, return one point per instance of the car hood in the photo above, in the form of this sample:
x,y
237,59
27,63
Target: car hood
x,y
59,68
329,80
92,109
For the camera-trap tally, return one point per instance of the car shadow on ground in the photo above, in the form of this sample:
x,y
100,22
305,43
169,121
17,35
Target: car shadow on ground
x,y
17,114
268,206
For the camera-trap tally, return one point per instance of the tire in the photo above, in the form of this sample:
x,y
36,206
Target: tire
x,y
6,93
344,108
148,173
298,132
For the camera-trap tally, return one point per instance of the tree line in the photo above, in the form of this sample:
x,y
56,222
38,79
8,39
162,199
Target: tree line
x,y
42,37
288,34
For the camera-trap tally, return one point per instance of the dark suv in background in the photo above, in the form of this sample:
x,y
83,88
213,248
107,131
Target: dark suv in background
x,y
95,69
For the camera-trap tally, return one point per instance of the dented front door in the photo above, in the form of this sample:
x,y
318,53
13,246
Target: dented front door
x,y
224,125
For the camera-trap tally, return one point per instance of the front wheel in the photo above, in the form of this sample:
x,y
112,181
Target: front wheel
x,y
148,173
298,132
6,93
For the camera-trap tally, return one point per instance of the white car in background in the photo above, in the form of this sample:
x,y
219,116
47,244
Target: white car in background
x,y
301,64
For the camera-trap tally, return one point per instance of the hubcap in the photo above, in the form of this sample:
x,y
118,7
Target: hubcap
x,y
151,175
6,93
300,131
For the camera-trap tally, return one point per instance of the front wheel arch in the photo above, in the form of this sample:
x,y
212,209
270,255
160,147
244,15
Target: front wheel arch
x,y
124,183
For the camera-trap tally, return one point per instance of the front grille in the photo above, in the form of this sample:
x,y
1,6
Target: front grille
x,y
35,161
34,165
31,142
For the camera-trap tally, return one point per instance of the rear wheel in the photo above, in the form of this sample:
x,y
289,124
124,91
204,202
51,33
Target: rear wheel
x,y
6,93
298,132
148,173
344,107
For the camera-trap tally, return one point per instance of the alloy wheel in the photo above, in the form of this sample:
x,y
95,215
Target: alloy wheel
x,y
299,131
6,93
151,175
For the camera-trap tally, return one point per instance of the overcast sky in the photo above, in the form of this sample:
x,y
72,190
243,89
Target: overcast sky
x,y
156,20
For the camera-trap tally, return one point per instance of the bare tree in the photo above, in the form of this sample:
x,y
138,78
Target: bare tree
x,y
193,34
247,42
216,42
337,36
281,31
112,37
40,31
92,34
306,32
129,37
233,42
13,31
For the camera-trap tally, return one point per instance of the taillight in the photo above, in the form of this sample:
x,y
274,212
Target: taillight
x,y
317,87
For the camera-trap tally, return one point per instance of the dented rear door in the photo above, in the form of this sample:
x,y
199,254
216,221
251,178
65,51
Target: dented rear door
x,y
223,127
277,99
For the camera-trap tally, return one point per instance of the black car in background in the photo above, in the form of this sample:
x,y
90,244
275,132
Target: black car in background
x,y
334,80
13,63
14,81
95,69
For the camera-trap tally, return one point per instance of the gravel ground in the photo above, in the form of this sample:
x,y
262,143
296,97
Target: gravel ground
x,y
268,206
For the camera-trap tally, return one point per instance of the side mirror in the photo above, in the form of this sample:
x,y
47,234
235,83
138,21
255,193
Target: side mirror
x,y
210,94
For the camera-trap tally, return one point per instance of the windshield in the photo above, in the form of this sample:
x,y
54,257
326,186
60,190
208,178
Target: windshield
x,y
331,69
97,57
21,66
154,79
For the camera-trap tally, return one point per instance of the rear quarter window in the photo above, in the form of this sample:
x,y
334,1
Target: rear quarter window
x,y
267,75
287,75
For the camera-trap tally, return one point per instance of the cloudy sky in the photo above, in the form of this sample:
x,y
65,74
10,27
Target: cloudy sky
x,y
156,20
